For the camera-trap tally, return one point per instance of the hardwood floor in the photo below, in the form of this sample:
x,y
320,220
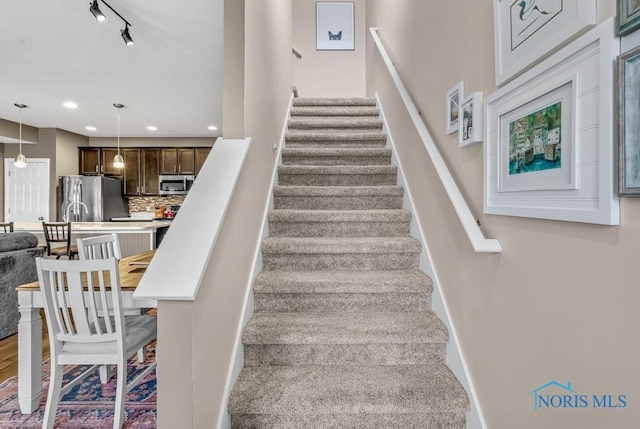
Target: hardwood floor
x,y
9,352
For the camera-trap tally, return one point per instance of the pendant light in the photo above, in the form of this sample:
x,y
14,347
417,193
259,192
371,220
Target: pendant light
x,y
21,160
118,161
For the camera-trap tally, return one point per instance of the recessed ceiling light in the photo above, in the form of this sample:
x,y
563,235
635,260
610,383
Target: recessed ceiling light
x,y
152,128
213,128
90,128
70,105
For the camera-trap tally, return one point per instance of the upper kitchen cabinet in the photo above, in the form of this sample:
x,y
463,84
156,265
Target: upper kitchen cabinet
x,y
94,160
89,162
141,172
107,167
201,156
177,161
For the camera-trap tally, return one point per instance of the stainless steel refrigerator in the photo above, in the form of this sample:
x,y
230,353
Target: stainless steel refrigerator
x,y
101,195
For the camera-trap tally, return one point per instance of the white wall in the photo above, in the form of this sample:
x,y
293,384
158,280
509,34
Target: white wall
x,y
328,73
560,303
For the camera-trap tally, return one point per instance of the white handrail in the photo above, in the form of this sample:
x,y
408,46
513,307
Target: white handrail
x,y
476,237
296,52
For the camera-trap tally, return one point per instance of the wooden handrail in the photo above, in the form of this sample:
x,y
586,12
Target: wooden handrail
x,y
476,237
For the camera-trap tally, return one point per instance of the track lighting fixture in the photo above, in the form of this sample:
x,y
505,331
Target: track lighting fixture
x,y
21,160
125,35
95,10
118,161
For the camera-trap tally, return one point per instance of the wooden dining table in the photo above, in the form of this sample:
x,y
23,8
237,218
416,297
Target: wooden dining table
x,y
30,301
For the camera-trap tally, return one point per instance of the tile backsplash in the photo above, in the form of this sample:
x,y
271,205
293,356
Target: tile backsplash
x,y
140,204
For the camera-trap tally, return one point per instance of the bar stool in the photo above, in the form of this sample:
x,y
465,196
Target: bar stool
x,y
59,232
6,227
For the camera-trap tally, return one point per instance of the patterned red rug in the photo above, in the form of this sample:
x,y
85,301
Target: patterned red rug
x,y
89,405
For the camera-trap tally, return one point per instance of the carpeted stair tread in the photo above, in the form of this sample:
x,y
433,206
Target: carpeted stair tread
x,y
337,169
361,197
336,156
338,191
344,282
344,328
334,122
334,111
314,135
340,215
350,245
335,152
393,389
310,101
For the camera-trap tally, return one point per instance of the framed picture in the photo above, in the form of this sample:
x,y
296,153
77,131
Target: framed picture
x,y
629,123
454,96
549,133
527,30
536,143
335,26
628,16
470,130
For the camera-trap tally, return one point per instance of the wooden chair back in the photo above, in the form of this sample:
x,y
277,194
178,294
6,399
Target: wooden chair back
x,y
59,232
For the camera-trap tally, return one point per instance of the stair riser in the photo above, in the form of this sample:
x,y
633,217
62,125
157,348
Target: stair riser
x,y
294,144
336,160
342,354
335,111
337,302
338,203
339,261
337,179
354,420
338,229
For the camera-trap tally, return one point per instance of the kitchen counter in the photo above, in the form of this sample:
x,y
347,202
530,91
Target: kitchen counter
x,y
135,237
107,227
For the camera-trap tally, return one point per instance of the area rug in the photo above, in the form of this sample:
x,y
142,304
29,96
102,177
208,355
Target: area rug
x,y
90,404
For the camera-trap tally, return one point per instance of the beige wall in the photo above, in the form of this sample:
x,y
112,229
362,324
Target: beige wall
x,y
327,73
267,87
67,144
560,303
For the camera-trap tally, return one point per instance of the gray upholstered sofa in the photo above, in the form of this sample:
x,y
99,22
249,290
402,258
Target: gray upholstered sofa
x,y
18,251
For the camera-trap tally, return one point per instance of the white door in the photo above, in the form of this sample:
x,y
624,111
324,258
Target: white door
x,y
26,191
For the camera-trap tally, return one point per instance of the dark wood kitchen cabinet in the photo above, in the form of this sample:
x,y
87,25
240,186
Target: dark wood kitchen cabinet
x,y
98,161
107,167
177,161
89,162
141,171
201,155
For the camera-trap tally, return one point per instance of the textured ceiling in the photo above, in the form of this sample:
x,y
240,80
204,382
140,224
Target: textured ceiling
x,y
55,51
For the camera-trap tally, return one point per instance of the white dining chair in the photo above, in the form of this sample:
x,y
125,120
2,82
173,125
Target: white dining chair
x,y
100,247
74,292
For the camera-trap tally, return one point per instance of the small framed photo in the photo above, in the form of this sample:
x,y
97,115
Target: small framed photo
x,y
335,26
454,96
470,120
629,123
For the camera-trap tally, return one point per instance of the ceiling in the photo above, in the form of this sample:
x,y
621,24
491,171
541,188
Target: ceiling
x,y
171,78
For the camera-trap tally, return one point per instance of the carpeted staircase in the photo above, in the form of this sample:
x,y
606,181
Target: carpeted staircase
x,y
343,335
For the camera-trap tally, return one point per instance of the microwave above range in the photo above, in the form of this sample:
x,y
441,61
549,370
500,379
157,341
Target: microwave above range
x,y
175,185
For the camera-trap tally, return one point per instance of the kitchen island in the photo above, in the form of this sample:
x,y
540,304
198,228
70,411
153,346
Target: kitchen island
x,y
135,237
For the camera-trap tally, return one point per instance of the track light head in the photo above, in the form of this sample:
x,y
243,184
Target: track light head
x,y
126,36
95,10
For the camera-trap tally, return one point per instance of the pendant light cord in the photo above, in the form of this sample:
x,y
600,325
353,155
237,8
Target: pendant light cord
x,y
118,131
20,119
